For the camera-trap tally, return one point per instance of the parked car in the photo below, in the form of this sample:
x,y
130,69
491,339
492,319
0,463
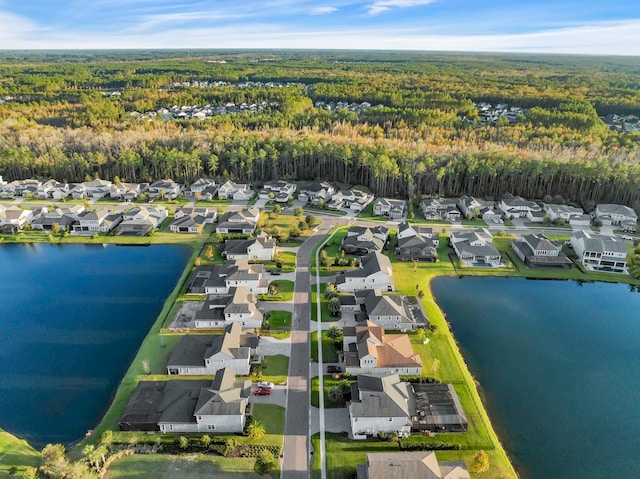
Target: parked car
x,y
262,392
265,384
627,237
331,369
275,272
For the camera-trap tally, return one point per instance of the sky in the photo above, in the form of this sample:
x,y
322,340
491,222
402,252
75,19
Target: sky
x,y
610,27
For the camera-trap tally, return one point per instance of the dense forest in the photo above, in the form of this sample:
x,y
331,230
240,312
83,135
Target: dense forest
x,y
74,115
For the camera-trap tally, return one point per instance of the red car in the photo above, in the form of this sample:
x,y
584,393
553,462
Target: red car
x,y
262,392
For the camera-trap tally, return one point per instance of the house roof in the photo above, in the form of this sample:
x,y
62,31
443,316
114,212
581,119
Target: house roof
x,y
224,397
381,397
370,264
391,350
613,209
414,465
601,243
193,349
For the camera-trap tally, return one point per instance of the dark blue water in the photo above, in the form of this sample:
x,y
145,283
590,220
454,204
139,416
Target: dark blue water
x,y
559,366
72,318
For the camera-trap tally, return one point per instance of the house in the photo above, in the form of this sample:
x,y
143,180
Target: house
x,y
392,312
128,191
368,350
316,192
517,207
235,191
538,251
354,199
91,189
475,248
63,217
167,189
472,207
600,252
417,243
203,189
22,187
390,208
440,209
188,224
565,213
99,221
617,215
13,218
239,222
380,404
375,272
260,248
281,191
45,189
220,278
188,406
201,354
141,221
410,465
361,240
188,219
238,306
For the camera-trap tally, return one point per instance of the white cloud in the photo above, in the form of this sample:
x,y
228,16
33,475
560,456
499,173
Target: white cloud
x,y
380,6
15,29
323,10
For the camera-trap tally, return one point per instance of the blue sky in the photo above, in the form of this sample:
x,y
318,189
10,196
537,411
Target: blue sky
x,y
561,26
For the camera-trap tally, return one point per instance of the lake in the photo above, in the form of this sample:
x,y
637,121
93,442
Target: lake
x,y
72,319
559,367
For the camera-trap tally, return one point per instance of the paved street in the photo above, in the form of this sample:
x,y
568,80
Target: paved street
x,y
297,454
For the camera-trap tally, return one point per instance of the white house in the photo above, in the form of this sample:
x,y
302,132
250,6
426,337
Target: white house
x,y
375,272
315,192
239,222
221,278
440,209
239,306
600,252
538,251
236,191
566,213
390,208
381,404
14,217
155,215
205,188
260,248
167,188
98,221
475,248
617,215
517,207
202,355
188,406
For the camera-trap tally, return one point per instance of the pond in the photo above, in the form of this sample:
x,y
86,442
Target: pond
x,y
559,367
72,319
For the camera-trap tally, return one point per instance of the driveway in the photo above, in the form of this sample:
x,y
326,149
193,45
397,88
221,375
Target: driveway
x,y
335,420
278,396
268,346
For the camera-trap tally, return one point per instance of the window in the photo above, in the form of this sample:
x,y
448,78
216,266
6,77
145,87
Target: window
x,y
211,427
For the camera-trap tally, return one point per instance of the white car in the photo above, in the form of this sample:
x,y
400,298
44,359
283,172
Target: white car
x,y
627,237
265,384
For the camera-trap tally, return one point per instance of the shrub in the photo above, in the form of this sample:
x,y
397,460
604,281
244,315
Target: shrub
x,y
418,443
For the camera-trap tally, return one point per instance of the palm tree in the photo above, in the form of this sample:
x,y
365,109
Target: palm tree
x,y
334,306
256,430
335,395
331,291
333,333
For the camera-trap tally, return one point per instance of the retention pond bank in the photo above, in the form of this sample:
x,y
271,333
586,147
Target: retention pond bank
x,y
559,365
72,318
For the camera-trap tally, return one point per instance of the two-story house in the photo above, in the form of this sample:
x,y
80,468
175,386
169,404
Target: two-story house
x,y
375,272
617,215
100,220
202,188
416,243
167,189
600,252
361,240
239,306
260,248
203,354
230,190
440,209
390,208
238,222
518,207
475,248
316,192
538,251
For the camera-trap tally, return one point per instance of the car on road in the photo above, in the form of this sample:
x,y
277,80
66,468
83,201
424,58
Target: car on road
x,y
627,237
262,392
275,272
265,384
331,369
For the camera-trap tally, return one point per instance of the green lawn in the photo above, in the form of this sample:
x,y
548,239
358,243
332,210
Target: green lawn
x,y
15,453
277,368
280,324
271,417
329,351
193,466
328,382
476,223
285,290
288,260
